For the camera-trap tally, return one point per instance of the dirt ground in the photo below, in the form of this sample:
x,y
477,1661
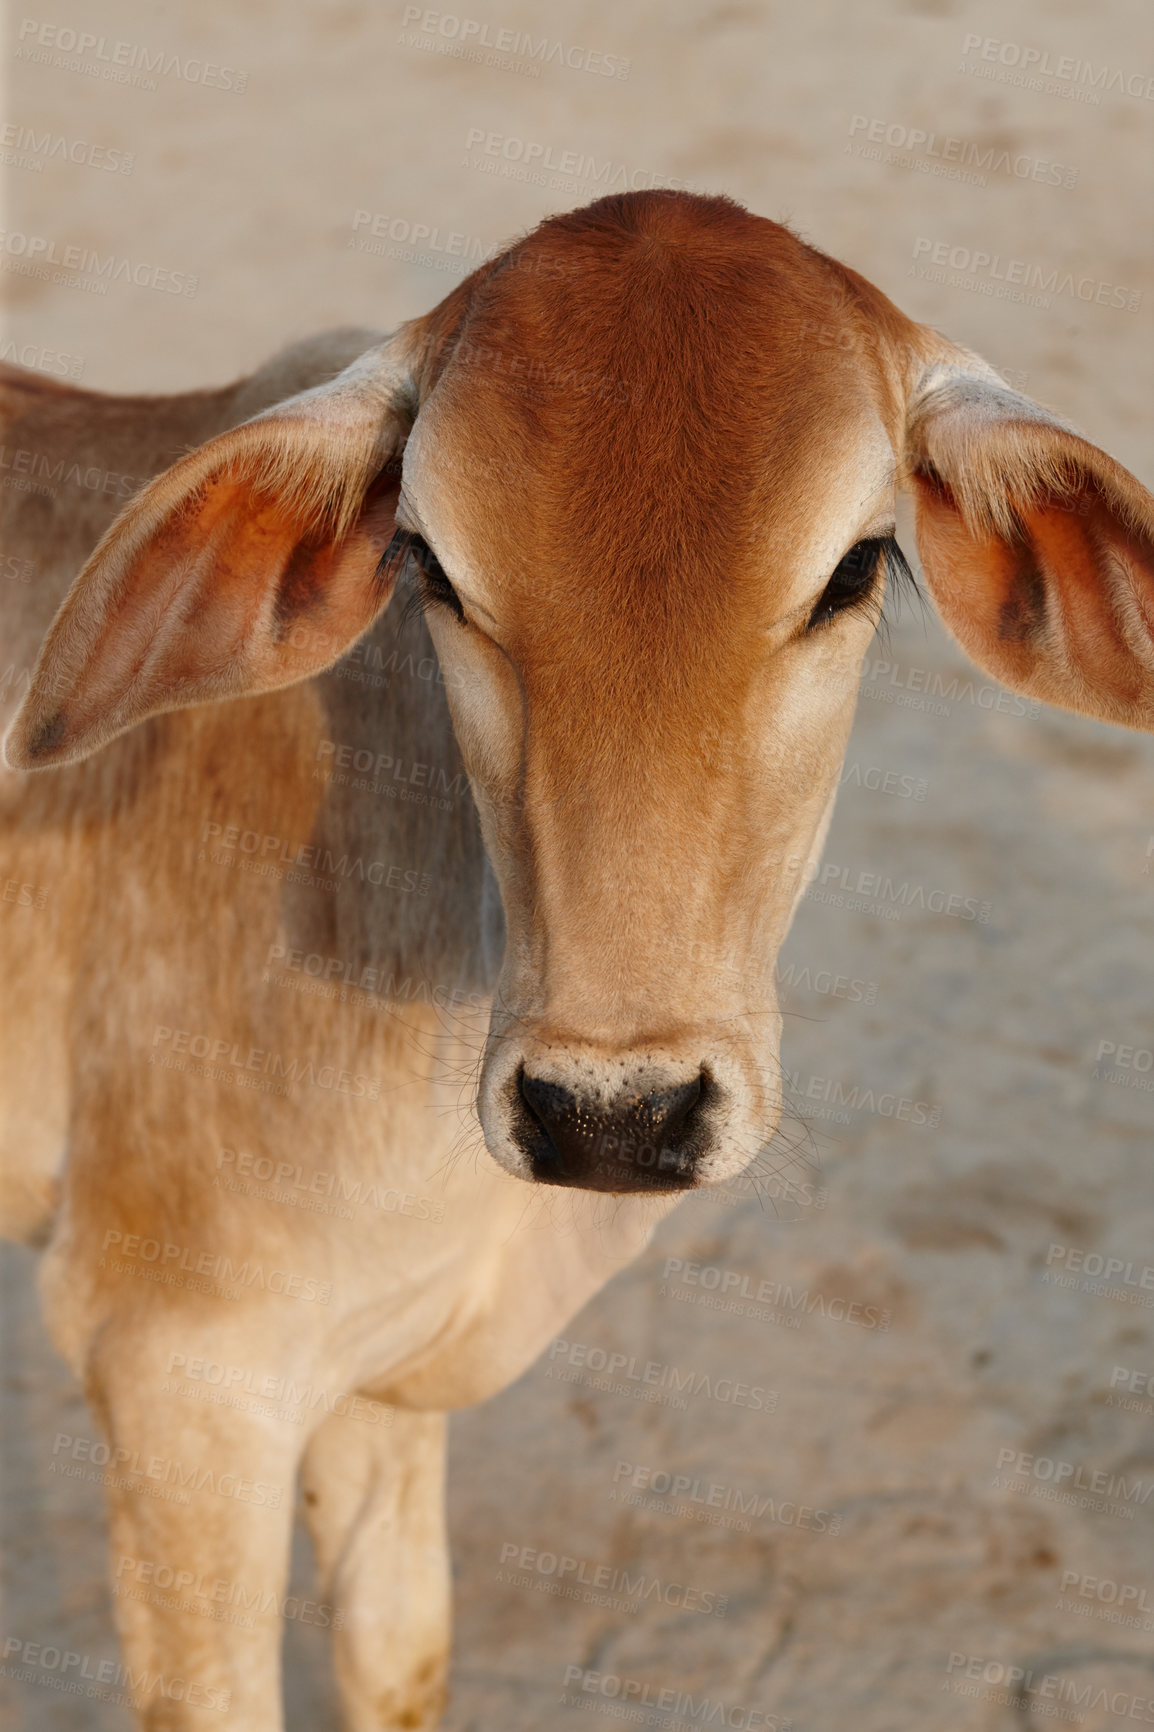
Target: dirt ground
x,y
951,1290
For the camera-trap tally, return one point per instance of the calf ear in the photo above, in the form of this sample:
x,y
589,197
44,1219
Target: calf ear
x,y
250,564
1037,548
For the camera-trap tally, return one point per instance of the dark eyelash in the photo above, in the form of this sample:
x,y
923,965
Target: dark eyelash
x,y
433,583
853,587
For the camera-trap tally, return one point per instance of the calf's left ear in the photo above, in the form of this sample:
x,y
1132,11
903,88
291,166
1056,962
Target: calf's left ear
x,y
1037,548
250,564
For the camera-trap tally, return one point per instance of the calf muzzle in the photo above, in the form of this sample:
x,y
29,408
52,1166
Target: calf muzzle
x,y
635,1142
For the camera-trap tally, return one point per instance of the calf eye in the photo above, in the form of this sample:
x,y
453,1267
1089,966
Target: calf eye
x,y
435,585
853,584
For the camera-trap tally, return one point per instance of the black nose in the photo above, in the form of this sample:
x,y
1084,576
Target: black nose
x,y
639,1142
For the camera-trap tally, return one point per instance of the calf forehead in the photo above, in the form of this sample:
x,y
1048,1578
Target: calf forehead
x,y
658,395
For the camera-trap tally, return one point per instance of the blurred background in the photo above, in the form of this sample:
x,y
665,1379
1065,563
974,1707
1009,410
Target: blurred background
x,y
953,1274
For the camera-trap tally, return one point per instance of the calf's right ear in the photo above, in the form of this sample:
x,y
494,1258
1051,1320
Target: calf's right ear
x,y
249,565
1037,548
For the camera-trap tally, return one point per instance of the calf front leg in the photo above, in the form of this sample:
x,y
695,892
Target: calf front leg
x,y
375,1499
200,1511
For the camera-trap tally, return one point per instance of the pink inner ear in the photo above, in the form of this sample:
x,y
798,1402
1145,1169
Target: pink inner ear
x,y
1075,549
306,598
186,620
229,594
1064,611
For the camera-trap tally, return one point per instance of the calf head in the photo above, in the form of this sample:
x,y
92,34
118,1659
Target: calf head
x,y
650,458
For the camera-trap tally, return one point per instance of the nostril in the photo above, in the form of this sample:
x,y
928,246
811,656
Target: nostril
x,y
547,1101
664,1113
634,1140
667,1112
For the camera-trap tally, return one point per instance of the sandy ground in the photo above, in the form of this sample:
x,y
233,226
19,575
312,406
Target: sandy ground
x,y
884,1529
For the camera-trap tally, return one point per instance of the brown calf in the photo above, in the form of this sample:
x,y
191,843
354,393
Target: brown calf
x,y
645,518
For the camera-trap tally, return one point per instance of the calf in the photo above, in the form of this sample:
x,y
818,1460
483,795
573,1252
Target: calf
x,y
637,477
